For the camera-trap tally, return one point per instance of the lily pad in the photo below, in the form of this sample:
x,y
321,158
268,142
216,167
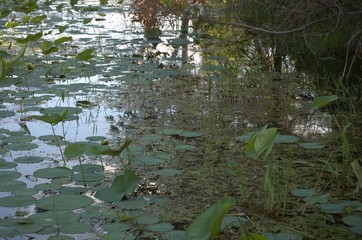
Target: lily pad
x,y
8,186
60,110
152,138
353,220
302,192
19,139
88,177
64,202
171,131
8,165
22,146
286,138
4,114
190,134
160,227
53,218
9,175
147,161
75,228
88,168
51,138
47,186
132,204
311,145
95,138
185,147
56,172
283,236
332,207
167,172
116,227
28,228
28,159
24,192
147,219
17,201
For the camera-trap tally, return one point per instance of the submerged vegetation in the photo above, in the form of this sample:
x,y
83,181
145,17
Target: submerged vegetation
x,y
122,123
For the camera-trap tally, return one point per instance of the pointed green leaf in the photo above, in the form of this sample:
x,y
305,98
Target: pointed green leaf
x,y
2,69
207,225
85,55
322,101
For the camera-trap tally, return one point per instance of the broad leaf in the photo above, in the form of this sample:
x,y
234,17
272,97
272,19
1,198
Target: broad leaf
x,y
261,142
207,225
52,119
320,102
85,55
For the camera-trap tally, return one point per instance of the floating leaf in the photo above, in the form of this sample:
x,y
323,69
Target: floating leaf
x,y
152,138
160,227
48,186
28,159
88,168
52,218
8,165
9,175
332,207
132,204
85,55
121,185
78,149
353,220
4,114
56,172
233,221
22,146
253,236
87,20
51,138
190,134
19,139
75,228
302,192
207,225
9,186
283,236
286,138
171,131
322,101
96,138
147,161
116,227
357,230
17,201
173,234
147,219
53,119
88,177
28,228
185,147
311,145
167,172
64,202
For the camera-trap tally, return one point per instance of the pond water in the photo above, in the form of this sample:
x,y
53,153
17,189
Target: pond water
x,y
183,115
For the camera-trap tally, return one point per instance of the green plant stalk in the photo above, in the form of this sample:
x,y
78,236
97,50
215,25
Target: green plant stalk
x,y
58,144
82,172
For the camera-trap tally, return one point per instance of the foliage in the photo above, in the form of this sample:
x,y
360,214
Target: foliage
x,y
207,224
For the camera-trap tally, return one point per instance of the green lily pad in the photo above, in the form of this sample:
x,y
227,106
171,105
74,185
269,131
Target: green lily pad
x,y
283,236
24,192
152,138
51,138
28,159
8,165
72,190
120,235
332,207
4,114
311,145
9,175
171,131
167,172
357,230
56,172
19,139
61,237
88,168
245,137
174,234
54,218
22,146
148,219
302,192
28,228
116,227
147,161
64,202
132,204
185,147
17,201
353,220
8,186
75,228
160,227
48,186
190,134
89,177
286,138
233,221
95,138
6,233
60,110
